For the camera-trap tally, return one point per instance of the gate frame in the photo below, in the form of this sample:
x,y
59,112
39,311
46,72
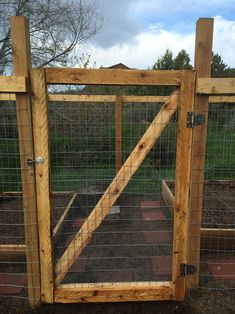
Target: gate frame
x,y
112,292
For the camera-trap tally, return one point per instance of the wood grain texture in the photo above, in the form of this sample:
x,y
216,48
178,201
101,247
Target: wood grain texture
x,y
182,183
118,133
21,65
212,86
114,293
116,187
111,77
13,84
41,147
216,99
203,54
12,252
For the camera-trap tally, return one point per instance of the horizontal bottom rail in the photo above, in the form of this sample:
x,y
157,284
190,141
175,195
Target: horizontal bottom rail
x,y
114,292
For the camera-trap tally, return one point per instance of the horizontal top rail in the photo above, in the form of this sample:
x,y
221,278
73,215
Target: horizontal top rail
x,y
13,84
213,86
112,77
216,99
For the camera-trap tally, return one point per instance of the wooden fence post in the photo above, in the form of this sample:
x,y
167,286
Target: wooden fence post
x,y
21,66
43,184
182,183
203,54
118,132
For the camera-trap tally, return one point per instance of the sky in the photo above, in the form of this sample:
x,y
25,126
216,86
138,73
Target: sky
x,y
138,32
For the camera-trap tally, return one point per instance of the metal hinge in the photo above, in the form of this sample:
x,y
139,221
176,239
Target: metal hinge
x,y
38,160
195,119
186,269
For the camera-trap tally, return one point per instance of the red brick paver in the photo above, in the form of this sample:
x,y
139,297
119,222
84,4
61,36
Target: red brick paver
x,y
157,237
79,265
223,269
12,284
161,265
115,276
156,215
150,204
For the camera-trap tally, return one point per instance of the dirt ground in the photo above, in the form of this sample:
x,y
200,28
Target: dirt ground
x,y
219,198
198,302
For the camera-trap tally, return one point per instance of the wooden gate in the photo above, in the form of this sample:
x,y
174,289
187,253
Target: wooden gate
x,y
52,290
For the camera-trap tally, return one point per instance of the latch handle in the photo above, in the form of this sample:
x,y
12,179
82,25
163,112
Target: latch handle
x,y
38,160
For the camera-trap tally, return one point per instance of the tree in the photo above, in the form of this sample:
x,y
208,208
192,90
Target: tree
x,y
166,62
182,61
57,29
218,67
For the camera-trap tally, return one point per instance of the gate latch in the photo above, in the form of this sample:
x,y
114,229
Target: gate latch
x,y
38,160
186,269
195,119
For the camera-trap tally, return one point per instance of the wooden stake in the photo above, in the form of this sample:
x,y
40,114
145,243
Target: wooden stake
x,y
116,187
21,66
118,150
41,147
203,54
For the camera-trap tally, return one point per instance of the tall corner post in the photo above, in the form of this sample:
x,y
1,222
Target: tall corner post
x,y
203,57
21,66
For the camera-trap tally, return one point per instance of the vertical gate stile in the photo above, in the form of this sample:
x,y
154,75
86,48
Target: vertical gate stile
x,y
21,56
203,54
42,170
182,183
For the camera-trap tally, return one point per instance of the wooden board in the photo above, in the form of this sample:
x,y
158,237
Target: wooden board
x,y
116,187
214,86
21,66
114,292
216,99
112,77
210,238
182,183
13,84
58,226
41,147
203,54
118,134
12,252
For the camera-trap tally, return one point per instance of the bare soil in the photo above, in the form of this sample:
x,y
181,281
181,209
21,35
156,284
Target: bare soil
x,y
126,229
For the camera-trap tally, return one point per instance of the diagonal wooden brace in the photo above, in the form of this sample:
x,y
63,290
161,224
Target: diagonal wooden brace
x,y
116,187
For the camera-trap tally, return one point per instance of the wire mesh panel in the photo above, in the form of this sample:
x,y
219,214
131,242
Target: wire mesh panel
x,y
133,241
13,266
218,217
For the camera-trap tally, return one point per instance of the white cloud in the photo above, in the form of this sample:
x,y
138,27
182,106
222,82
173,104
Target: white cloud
x,y
149,45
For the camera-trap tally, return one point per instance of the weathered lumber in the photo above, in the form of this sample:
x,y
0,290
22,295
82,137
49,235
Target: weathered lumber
x,y
216,99
21,65
203,54
112,77
182,183
12,252
116,187
58,226
13,84
213,86
43,184
114,292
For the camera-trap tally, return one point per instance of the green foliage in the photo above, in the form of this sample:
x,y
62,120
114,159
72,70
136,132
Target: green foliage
x,y
218,67
167,62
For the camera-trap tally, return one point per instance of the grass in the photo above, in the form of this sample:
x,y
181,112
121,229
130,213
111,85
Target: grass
x,y
219,164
